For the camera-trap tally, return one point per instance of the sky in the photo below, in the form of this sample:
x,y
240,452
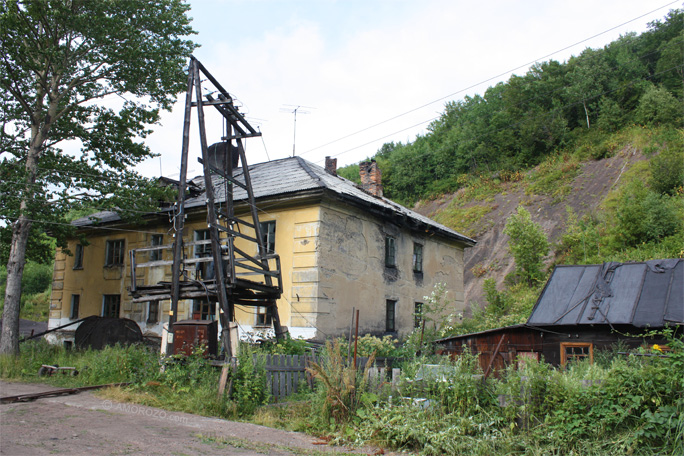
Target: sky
x,y
365,72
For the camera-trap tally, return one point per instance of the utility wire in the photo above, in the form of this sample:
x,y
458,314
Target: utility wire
x,y
572,104
94,227
486,80
524,101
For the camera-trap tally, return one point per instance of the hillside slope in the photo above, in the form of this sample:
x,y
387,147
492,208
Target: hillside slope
x,y
583,193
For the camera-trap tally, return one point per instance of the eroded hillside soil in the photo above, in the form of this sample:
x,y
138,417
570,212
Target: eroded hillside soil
x,y
491,257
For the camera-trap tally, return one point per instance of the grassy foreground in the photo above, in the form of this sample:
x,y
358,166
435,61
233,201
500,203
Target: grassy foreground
x,y
618,405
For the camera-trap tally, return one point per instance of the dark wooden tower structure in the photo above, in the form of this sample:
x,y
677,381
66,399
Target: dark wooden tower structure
x,y
231,275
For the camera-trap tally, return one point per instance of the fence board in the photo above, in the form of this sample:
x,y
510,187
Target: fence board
x,y
285,373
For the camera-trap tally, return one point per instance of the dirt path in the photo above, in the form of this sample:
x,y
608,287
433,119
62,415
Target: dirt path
x,y
84,424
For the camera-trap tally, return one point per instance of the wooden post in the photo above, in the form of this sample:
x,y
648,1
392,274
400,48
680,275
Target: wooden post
x,y
179,214
356,337
222,381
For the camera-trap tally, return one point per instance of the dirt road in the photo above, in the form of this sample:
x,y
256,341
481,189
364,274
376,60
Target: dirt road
x,y
84,424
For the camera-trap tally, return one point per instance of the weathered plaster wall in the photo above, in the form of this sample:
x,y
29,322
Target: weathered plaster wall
x,y
332,259
296,243
353,271
95,279
297,231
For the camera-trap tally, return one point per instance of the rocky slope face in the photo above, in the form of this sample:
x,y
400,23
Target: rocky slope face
x,y
491,256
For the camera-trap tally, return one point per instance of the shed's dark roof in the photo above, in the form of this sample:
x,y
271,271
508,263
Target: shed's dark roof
x,y
486,331
646,294
290,176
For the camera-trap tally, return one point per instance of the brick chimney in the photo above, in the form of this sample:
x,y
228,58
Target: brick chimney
x,y
331,166
371,179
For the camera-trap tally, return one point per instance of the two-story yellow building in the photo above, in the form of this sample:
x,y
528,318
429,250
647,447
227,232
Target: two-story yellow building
x,y
341,246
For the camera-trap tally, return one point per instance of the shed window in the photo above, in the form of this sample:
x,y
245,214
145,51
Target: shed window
x,y
417,257
576,351
390,252
111,305
390,315
114,256
78,257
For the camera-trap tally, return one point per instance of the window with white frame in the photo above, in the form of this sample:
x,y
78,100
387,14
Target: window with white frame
x,y
263,316
268,231
156,241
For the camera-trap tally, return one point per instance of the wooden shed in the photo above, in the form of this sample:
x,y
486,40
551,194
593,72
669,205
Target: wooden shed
x,y
583,309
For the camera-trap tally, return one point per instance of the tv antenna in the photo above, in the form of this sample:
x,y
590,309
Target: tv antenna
x,y
294,109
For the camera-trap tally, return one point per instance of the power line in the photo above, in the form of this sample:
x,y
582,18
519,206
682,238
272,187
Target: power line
x,y
94,227
574,103
486,80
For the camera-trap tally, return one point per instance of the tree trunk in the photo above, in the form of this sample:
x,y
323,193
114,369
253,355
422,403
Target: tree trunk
x,y
9,342
586,112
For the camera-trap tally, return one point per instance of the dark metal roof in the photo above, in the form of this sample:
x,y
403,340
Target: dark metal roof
x,y
486,331
649,294
293,175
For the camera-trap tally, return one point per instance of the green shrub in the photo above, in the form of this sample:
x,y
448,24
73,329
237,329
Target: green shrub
x,y
341,384
380,347
249,381
528,245
498,300
667,170
657,106
286,346
581,242
643,215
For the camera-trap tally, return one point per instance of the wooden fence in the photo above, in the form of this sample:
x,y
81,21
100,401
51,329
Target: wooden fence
x,y
285,374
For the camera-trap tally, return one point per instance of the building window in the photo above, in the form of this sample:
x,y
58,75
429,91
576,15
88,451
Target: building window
x,y
201,251
390,252
390,314
78,257
114,255
203,310
153,312
75,302
417,314
417,257
268,230
111,305
263,316
576,351
157,240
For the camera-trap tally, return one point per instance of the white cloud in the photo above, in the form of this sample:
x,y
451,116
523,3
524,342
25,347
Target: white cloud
x,y
357,69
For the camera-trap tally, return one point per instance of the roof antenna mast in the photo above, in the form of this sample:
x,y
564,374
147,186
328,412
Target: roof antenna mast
x,y
297,109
